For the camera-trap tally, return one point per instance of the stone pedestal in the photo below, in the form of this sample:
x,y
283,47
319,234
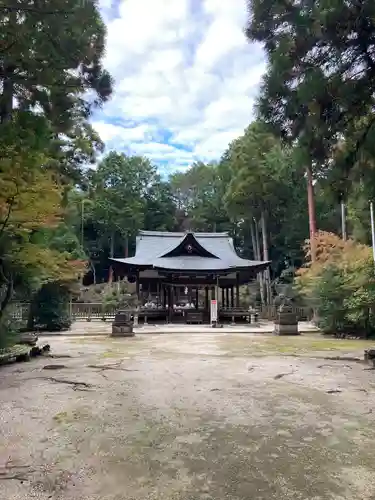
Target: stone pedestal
x,y
28,339
122,326
370,356
286,323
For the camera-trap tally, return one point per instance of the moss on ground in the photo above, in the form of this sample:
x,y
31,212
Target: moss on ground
x,y
230,345
68,417
298,345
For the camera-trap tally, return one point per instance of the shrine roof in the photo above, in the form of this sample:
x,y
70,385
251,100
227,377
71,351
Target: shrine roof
x,y
190,251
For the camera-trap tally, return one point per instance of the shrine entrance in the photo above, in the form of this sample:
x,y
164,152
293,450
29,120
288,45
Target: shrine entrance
x,y
177,275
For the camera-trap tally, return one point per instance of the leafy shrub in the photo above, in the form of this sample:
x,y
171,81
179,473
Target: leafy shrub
x,y
50,308
9,331
118,297
340,285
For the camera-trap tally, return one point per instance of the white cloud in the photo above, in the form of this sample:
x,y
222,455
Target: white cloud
x,y
221,38
183,77
110,132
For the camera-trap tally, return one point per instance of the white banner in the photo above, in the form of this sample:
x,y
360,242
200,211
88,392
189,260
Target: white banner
x,y
213,311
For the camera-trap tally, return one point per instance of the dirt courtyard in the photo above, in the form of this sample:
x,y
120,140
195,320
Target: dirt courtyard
x,y
189,417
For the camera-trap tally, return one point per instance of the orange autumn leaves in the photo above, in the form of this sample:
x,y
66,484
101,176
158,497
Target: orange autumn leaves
x,y
340,284
31,200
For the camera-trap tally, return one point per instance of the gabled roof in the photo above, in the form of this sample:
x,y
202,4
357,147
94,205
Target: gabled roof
x,y
210,252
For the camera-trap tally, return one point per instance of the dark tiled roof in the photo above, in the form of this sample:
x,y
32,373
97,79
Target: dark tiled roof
x,y
153,247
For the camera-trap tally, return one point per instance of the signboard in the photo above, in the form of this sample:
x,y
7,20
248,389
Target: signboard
x,y
213,311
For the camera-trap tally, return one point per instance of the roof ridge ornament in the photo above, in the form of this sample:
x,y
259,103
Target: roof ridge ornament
x,y
187,244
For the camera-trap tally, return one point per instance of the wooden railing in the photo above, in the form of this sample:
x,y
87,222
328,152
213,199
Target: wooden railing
x,y
77,310
91,311
269,313
19,310
80,311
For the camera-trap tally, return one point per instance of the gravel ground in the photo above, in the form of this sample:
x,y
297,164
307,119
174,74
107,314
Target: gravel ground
x,y
189,417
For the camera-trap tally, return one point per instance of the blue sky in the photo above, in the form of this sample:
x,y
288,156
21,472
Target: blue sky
x,y
185,78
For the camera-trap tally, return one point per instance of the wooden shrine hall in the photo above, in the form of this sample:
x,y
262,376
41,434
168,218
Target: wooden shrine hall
x,y
177,275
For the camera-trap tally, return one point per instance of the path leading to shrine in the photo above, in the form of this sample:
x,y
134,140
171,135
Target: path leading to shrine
x,y
202,416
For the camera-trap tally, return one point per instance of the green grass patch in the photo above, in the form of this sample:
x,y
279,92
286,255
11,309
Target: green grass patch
x,y
289,345
65,417
9,353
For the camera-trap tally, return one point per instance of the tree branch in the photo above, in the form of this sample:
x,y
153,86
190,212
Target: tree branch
x,y
9,291
10,206
352,156
35,11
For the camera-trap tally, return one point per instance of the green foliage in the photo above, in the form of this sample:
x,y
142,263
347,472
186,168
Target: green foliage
x,y
340,285
160,210
51,65
320,75
198,195
30,212
257,162
9,329
266,177
119,297
120,185
50,308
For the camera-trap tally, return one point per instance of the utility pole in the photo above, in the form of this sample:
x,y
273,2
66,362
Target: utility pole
x,y
82,219
311,205
343,221
82,229
372,228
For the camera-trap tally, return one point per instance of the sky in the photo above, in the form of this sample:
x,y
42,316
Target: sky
x,y
185,79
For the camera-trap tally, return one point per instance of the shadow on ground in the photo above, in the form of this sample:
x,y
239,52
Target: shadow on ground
x,y
208,416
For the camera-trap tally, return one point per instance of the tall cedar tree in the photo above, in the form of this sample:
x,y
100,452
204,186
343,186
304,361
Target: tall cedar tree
x,y
50,55
321,71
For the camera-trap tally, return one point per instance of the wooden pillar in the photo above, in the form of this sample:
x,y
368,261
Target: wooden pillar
x,y
170,302
213,293
227,297
237,290
231,296
196,298
206,297
137,288
222,298
164,297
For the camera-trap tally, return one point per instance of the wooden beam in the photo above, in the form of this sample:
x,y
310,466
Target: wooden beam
x,y
237,291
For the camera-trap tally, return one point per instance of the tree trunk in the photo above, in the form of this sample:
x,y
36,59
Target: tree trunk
x,y
111,252
6,99
258,257
253,240
343,221
263,224
7,297
311,206
257,242
31,313
126,246
92,266
7,78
